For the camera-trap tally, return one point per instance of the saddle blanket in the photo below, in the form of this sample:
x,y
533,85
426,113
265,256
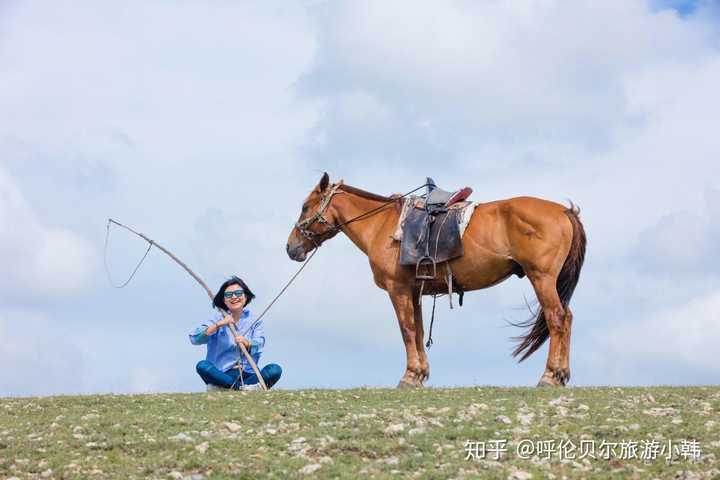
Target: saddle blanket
x,y
464,215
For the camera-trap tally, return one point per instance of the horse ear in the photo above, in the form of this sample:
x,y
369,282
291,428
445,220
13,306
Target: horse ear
x,y
341,182
324,182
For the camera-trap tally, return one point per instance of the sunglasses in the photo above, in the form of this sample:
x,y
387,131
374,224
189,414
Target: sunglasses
x,y
237,293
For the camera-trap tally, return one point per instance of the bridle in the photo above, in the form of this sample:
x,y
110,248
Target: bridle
x,y
303,226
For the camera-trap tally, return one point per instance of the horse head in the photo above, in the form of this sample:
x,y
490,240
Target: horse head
x,y
316,223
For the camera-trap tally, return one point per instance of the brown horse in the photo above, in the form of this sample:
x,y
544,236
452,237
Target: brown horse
x,y
521,236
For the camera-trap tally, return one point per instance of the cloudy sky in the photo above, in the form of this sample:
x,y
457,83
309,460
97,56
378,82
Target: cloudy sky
x,y
204,124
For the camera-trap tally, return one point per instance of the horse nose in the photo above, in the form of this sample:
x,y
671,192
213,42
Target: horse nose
x,y
287,247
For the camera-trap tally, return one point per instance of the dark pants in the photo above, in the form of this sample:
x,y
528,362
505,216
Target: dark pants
x,y
212,375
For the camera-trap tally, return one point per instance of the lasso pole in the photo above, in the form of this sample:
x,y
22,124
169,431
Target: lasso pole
x,y
242,348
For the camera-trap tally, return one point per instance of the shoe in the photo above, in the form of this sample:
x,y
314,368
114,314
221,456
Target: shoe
x,y
214,388
251,388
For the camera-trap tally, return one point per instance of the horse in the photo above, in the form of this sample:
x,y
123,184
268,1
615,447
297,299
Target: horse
x,y
523,236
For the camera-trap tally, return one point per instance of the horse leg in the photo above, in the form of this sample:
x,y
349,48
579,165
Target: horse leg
x,y
403,303
566,343
557,369
420,341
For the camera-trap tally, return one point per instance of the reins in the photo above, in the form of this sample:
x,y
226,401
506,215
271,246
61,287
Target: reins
x,y
152,243
325,202
370,212
317,215
301,226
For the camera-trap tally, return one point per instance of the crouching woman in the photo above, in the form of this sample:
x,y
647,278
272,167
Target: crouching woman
x,y
225,366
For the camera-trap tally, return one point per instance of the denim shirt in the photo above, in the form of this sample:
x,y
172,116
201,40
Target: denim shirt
x,y
222,351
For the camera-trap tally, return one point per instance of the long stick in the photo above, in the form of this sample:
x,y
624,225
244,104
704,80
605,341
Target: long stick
x,y
244,351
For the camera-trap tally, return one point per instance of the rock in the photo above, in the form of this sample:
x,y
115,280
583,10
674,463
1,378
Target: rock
x,y
416,431
89,416
233,427
394,428
202,448
176,475
561,400
687,475
516,474
503,419
326,460
181,437
47,473
309,469
526,418
660,411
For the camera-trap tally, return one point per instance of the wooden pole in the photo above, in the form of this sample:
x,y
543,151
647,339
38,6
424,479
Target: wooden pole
x,y
242,348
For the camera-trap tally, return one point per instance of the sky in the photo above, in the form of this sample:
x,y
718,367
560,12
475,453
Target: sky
x,y
204,125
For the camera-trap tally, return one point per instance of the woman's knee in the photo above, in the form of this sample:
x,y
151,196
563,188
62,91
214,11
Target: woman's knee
x,y
203,366
272,371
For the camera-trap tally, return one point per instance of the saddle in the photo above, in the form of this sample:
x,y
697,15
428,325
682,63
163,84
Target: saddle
x,y
431,230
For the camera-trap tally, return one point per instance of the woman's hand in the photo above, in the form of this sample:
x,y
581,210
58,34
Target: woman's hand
x,y
243,340
227,320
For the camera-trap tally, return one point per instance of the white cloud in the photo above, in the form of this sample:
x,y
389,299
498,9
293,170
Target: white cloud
x,y
519,72
40,262
681,242
41,357
684,334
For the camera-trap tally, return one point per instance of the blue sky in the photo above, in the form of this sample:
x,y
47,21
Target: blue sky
x,y
683,7
205,125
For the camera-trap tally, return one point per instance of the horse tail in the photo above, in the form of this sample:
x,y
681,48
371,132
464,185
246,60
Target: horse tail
x,y
566,283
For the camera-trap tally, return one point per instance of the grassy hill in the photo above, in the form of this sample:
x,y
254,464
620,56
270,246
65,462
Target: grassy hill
x,y
367,432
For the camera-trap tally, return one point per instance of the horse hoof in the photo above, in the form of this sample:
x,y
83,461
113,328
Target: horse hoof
x,y
545,383
405,384
548,380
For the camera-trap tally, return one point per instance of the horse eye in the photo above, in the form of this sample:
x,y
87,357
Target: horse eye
x,y
304,209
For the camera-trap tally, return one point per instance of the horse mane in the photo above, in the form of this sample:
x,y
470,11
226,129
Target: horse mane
x,y
366,194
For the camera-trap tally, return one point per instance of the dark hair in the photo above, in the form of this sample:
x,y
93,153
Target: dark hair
x,y
219,300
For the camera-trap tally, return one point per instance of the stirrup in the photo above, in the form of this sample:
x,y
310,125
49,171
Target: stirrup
x,y
430,262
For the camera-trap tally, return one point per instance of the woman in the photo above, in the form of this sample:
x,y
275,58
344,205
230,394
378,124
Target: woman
x,y
224,366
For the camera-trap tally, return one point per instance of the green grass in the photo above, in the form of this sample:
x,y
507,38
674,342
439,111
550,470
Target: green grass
x,y
352,433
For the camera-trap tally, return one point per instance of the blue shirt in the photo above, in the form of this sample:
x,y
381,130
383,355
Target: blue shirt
x,y
222,351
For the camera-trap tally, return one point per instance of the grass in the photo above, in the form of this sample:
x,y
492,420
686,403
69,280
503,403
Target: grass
x,y
357,433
